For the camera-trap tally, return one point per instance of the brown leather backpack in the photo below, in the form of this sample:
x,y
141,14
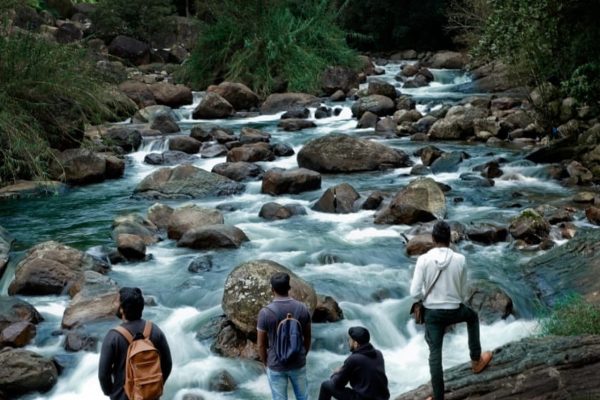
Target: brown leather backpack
x,y
143,374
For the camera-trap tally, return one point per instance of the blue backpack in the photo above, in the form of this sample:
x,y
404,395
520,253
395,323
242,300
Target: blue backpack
x,y
289,339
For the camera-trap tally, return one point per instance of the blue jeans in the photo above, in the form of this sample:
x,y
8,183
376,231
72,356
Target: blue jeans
x,y
278,381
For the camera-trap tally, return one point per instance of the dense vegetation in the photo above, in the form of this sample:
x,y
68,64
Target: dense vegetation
x,y
264,43
572,316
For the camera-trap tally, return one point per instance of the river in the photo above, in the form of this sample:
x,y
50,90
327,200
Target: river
x,y
362,265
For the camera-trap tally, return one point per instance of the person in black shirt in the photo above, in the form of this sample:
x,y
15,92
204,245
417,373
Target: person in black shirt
x,y
364,369
111,371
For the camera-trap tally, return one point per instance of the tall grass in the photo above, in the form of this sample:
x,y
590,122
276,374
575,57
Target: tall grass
x,y
47,93
572,315
261,42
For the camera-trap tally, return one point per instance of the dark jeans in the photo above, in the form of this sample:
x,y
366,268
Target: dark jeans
x,y
328,390
436,322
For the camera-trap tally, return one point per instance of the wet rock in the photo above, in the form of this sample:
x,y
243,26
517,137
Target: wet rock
x,y
579,174
278,181
323,112
185,182
278,102
6,241
339,199
171,95
248,289
135,224
341,153
201,264
447,162
283,150
24,372
222,381
567,230
138,92
151,113
213,151
132,247
97,301
420,170
189,217
417,81
14,310
200,134
419,244
327,310
79,340
251,135
593,215
474,180
184,144
273,211
130,49
52,268
487,234
169,158
584,197
297,113
448,60
551,367
492,170
79,167
368,120
381,87
293,124
213,106
489,301
337,96
429,154
18,334
213,237
233,343
377,104
373,201
129,139
240,96
165,125
251,153
239,171
458,124
555,215
384,125
421,201
26,189
115,166
530,227
338,78
405,103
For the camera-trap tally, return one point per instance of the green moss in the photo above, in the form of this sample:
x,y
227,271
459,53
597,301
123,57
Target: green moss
x,y
571,316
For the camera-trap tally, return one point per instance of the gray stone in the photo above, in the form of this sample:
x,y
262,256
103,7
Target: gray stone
x,y
24,372
278,181
213,237
339,199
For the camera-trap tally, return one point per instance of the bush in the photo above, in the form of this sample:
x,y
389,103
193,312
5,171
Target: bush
x,y
47,93
572,316
140,19
263,42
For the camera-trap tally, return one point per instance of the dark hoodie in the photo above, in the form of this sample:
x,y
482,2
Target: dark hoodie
x,y
365,370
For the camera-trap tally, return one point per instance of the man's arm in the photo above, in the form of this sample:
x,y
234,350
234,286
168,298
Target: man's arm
x,y
106,364
416,286
166,363
341,376
463,284
262,341
307,333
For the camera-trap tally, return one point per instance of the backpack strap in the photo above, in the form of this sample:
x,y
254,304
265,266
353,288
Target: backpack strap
x,y
125,333
147,330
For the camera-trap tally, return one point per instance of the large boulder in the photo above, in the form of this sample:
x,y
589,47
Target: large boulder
x,y
240,96
295,124
151,113
490,301
171,95
185,182
248,289
239,171
132,247
375,103
129,139
338,78
79,167
278,181
458,124
138,92
278,102
213,237
25,189
18,334
447,162
251,135
189,217
169,158
419,244
342,153
381,87
130,49
448,60
530,227
212,106
24,371
572,267
14,310
421,201
273,211
135,224
551,367
487,233
52,268
185,144
160,215
97,301
327,310
337,200
251,153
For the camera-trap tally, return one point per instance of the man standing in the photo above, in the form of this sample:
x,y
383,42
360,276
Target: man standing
x,y
269,321
111,371
441,273
364,369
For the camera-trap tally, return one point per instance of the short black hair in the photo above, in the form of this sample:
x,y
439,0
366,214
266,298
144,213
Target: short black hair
x,y
280,282
132,303
441,233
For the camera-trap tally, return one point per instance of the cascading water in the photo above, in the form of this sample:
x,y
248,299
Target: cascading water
x,y
362,265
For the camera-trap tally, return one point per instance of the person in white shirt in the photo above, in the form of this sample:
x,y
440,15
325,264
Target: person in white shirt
x,y
444,305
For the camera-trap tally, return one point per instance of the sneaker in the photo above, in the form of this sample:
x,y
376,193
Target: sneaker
x,y
484,360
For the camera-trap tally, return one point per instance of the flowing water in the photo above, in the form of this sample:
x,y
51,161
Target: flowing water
x,y
362,265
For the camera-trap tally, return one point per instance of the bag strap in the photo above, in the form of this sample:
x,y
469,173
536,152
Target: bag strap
x,y
432,285
147,330
125,333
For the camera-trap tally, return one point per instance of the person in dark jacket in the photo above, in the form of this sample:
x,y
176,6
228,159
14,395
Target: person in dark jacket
x,y
111,371
364,369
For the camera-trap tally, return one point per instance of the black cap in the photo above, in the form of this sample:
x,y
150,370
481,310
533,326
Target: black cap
x,y
280,282
360,334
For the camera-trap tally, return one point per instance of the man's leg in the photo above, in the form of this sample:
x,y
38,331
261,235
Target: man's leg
x,y
466,314
328,390
299,383
434,335
278,381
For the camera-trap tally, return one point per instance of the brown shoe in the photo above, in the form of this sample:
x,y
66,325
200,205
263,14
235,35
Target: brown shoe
x,y
484,360
429,398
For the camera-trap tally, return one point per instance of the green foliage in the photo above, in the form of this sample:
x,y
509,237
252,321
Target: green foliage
x,y
140,19
261,42
544,40
467,20
572,316
47,93
584,83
